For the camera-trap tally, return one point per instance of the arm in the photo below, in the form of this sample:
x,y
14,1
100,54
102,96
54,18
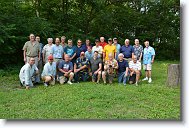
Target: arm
x,y
24,53
127,70
140,57
73,56
153,59
27,77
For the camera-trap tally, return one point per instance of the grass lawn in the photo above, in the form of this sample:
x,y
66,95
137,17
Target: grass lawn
x,y
90,101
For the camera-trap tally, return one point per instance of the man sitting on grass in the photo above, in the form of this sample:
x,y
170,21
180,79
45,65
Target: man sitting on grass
x,y
109,67
96,67
49,72
28,72
81,68
123,69
135,71
65,68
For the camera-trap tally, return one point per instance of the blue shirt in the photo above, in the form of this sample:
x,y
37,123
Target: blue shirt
x,y
49,69
78,51
84,47
65,66
118,47
147,56
122,66
57,51
127,51
81,62
70,50
88,55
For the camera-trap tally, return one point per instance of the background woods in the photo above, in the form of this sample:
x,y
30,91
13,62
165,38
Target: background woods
x,y
156,20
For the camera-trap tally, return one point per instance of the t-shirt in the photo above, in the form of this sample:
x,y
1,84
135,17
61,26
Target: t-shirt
x,y
65,66
70,50
135,66
147,56
81,62
138,50
84,47
32,50
78,51
127,51
88,55
99,49
109,49
122,65
57,51
103,44
95,64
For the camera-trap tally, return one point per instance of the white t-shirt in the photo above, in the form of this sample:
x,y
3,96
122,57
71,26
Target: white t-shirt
x,y
47,50
99,49
135,66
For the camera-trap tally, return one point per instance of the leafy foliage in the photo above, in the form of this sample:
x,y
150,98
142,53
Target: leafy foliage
x,y
155,20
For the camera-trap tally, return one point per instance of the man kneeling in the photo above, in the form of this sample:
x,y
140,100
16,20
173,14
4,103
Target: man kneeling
x,y
135,71
28,72
49,72
65,68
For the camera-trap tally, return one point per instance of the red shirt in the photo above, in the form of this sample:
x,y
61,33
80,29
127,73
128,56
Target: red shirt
x,y
103,44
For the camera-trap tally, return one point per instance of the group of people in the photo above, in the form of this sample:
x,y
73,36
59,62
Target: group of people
x,y
63,62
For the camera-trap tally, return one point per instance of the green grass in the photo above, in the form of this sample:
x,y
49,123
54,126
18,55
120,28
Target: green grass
x,y
90,101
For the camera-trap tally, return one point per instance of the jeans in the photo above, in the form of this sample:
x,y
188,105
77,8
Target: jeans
x,y
81,76
121,77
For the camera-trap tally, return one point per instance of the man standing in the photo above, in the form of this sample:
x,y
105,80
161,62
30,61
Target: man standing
x,y
65,68
138,50
63,41
89,53
148,60
118,47
81,68
98,48
96,67
57,51
127,51
109,69
31,49
123,69
86,45
79,48
49,72
47,50
109,49
71,51
102,42
135,71
28,72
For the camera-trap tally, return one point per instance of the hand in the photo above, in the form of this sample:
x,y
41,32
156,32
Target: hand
x,y
76,70
66,74
95,72
152,61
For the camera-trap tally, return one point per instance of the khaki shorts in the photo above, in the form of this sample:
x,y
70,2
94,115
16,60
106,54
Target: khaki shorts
x,y
62,79
147,67
52,82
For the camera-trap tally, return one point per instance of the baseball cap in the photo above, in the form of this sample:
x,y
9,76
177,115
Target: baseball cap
x,y
50,57
82,53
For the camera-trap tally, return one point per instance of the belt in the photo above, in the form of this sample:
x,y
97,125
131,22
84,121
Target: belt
x,y
31,56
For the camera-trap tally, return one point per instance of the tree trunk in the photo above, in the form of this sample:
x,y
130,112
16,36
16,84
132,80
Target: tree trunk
x,y
173,76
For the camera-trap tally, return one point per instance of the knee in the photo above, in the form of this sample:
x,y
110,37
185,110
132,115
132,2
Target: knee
x,y
103,73
71,74
99,73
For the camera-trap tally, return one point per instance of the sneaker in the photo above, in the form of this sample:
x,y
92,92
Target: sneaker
x,y
150,80
145,79
136,84
69,82
27,87
45,84
124,84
